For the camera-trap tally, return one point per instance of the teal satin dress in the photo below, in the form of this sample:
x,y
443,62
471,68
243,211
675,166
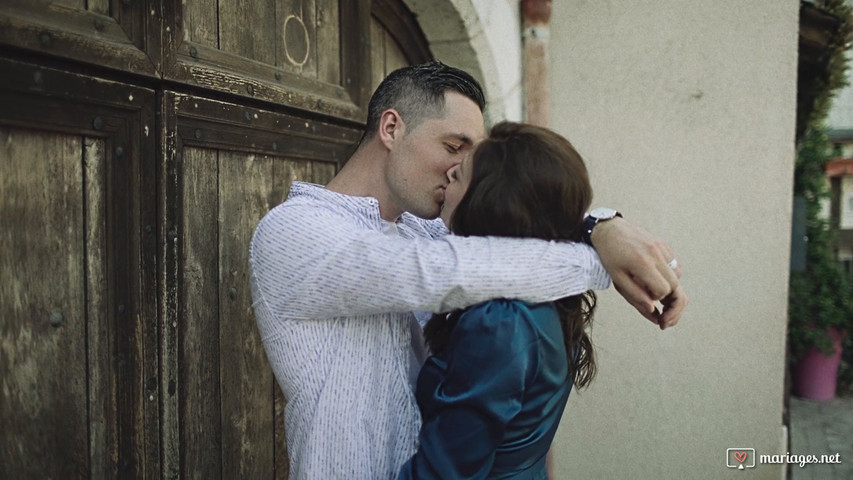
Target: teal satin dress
x,y
492,400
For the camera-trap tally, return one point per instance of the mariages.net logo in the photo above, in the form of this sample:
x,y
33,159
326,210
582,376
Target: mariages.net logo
x,y
742,458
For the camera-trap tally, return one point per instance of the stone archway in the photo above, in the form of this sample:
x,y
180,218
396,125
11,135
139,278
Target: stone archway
x,y
458,38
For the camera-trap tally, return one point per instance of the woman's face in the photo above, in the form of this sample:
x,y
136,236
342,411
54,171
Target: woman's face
x,y
459,177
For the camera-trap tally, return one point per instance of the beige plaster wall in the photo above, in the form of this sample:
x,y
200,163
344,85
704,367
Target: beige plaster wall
x,y
684,112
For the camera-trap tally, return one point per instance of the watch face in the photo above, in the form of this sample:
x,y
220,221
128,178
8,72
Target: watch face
x,y
603,213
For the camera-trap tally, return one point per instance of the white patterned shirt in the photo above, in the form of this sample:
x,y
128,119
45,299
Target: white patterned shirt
x,y
334,289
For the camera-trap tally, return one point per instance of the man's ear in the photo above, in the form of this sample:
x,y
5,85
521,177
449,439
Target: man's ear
x,y
391,127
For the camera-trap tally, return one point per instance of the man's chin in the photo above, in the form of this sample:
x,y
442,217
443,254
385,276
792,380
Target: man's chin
x,y
428,215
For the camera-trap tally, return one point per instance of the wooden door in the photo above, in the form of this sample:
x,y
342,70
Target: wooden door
x,y
77,363
142,142
230,165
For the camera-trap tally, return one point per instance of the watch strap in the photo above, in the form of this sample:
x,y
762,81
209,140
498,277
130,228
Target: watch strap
x,y
589,223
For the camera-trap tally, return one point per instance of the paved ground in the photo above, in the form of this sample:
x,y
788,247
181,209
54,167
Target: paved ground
x,y
822,429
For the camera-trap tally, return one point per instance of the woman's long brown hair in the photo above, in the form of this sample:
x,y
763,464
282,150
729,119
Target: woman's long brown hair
x,y
528,181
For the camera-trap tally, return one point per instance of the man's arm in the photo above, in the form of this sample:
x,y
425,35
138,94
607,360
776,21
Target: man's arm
x,y
639,265
306,266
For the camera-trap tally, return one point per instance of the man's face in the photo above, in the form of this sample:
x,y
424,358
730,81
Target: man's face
x,y
417,173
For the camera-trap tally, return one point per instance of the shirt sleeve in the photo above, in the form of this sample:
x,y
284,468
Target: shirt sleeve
x,y
306,266
435,228
493,355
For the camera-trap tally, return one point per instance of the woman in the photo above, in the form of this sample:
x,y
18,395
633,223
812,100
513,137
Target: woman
x,y
492,394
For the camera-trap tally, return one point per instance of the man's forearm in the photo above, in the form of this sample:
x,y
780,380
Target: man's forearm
x,y
336,273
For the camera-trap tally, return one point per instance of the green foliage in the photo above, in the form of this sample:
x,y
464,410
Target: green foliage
x,y
820,297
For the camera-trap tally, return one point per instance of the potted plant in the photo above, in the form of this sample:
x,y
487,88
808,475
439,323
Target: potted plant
x,y
820,312
845,371
820,307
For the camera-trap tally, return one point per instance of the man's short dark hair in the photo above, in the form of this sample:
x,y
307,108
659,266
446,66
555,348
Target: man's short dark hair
x,y
417,93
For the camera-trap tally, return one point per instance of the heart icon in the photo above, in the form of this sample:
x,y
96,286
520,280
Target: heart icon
x,y
740,456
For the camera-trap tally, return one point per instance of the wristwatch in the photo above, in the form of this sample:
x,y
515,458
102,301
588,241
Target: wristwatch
x,y
600,214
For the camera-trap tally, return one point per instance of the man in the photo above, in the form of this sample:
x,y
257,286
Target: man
x,y
337,272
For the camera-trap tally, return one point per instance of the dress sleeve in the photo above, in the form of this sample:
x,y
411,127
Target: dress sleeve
x,y
308,266
493,355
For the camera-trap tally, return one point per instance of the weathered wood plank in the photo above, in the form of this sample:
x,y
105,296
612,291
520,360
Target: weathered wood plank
x,y
245,183
377,53
247,28
285,172
81,35
201,23
386,53
217,124
169,278
322,172
282,459
101,7
107,246
399,23
199,382
42,290
394,56
296,30
355,53
124,311
328,49
103,436
250,59
146,156
75,4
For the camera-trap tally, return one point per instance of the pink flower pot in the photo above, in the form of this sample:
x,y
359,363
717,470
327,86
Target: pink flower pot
x,y
815,374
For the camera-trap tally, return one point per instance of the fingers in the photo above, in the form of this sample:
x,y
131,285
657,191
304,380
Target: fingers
x,y
669,278
636,295
657,279
668,263
663,278
644,270
673,306
673,303
673,259
678,271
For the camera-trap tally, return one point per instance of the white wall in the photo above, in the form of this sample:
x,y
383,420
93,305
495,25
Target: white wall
x,y
846,213
685,114
501,23
841,114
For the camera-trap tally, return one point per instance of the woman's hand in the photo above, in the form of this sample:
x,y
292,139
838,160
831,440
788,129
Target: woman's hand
x,y
643,268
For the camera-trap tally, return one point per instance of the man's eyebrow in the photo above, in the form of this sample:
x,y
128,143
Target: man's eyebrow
x,y
464,138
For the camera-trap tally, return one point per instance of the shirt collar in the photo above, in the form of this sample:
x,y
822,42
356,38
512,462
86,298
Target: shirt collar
x,y
365,207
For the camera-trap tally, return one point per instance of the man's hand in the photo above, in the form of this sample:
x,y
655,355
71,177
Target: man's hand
x,y
640,266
